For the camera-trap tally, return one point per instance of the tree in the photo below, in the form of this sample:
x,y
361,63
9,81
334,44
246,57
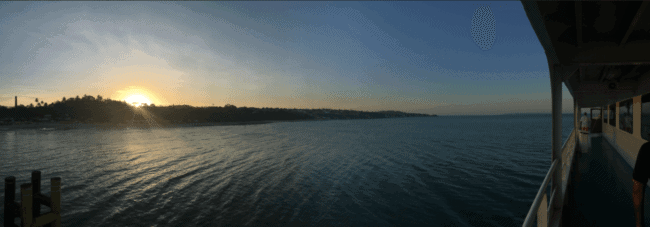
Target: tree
x,y
99,98
36,100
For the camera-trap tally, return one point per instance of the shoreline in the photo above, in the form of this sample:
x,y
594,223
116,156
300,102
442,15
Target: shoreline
x,y
58,126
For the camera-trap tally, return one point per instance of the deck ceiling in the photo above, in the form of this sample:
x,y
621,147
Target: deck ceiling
x,y
601,50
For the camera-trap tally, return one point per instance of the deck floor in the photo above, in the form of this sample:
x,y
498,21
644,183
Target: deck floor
x,y
600,192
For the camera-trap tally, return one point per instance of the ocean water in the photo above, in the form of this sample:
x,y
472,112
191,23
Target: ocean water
x,y
436,171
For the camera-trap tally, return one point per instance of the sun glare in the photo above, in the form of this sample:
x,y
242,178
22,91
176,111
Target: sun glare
x,y
137,100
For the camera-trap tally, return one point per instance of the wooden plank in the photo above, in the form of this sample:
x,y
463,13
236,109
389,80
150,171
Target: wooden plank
x,y
44,200
45,219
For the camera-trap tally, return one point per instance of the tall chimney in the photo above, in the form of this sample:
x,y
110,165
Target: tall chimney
x,y
16,102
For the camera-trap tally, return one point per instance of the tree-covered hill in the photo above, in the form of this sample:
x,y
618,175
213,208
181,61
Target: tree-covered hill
x,y
98,110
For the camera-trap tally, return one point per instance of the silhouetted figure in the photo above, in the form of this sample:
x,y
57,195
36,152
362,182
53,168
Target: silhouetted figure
x,y
585,122
639,180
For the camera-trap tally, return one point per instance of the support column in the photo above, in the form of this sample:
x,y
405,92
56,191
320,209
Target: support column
x,y
556,97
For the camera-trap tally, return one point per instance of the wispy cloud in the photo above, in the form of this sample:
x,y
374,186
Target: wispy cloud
x,y
358,55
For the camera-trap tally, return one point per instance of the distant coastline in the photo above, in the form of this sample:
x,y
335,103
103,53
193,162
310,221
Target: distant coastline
x,y
495,115
91,112
69,126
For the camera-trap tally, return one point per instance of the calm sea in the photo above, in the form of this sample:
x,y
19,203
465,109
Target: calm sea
x,y
437,171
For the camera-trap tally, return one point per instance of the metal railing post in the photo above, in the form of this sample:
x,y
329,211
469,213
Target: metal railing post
x,y
538,209
530,217
556,95
576,116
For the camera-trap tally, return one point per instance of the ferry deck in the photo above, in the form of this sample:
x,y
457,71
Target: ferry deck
x,y
601,52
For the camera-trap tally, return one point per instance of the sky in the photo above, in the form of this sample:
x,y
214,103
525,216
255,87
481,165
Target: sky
x,y
417,57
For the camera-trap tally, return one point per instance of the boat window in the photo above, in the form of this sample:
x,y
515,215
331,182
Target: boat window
x,y
625,115
595,114
645,116
612,115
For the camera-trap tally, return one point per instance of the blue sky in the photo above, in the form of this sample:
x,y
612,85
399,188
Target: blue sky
x,y
409,56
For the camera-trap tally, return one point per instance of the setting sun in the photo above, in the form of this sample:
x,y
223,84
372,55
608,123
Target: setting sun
x,y
137,100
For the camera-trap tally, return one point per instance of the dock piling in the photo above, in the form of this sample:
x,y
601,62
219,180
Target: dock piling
x,y
36,186
30,202
55,194
10,197
26,215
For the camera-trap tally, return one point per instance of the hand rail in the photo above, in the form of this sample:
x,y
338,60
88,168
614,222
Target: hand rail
x,y
566,154
538,198
567,160
530,217
550,203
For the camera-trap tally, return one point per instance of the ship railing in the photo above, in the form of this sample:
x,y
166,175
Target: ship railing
x,y
568,153
541,215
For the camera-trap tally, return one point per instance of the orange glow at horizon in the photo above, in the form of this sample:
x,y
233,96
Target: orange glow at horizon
x,y
137,100
137,96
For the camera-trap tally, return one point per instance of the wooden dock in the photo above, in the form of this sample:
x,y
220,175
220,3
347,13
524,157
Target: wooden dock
x,y
31,199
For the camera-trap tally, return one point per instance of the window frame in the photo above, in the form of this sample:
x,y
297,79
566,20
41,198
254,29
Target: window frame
x,y
612,114
622,113
591,112
645,128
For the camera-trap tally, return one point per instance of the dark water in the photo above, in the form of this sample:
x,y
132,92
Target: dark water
x,y
444,171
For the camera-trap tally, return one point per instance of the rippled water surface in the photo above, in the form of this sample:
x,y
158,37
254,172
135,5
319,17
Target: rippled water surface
x,y
439,171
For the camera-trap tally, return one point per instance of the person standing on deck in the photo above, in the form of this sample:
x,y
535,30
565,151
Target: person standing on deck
x,y
639,180
585,122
